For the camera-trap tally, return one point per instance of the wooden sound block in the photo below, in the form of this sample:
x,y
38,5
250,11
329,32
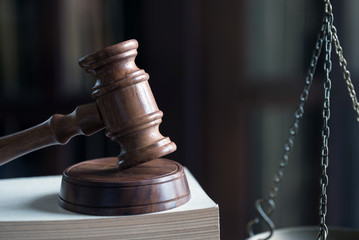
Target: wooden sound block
x,y
97,187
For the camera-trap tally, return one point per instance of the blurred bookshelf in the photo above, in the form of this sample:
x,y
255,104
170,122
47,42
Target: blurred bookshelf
x,y
227,76
41,43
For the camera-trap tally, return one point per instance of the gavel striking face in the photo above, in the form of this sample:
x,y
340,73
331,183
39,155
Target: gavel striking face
x,y
125,106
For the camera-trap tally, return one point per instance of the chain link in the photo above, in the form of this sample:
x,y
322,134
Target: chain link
x,y
265,206
323,199
346,74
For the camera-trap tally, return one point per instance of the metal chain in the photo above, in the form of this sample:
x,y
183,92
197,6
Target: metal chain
x,y
323,199
346,74
265,206
331,36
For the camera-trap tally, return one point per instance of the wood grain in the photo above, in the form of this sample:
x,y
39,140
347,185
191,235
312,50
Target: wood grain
x,y
125,106
58,129
128,108
97,187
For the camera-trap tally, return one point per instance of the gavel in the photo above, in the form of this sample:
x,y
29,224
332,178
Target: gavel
x,y
124,105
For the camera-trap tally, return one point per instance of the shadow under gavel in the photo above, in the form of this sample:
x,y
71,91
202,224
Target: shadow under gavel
x,y
124,106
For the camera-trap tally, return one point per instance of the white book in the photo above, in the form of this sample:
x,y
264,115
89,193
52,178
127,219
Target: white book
x,y
29,210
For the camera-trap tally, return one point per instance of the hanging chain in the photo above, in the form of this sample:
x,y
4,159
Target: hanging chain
x,y
323,199
265,206
331,36
346,74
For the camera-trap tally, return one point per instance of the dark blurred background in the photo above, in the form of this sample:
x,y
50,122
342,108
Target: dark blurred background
x,y
226,74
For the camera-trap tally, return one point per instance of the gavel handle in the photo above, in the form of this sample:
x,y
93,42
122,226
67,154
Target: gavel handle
x,y
58,129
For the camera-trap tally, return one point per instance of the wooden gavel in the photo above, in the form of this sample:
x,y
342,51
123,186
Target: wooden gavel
x,y
124,106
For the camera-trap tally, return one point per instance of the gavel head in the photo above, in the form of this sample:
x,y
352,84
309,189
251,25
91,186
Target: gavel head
x,y
126,104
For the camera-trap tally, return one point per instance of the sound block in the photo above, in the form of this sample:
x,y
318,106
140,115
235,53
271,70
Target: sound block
x,y
97,187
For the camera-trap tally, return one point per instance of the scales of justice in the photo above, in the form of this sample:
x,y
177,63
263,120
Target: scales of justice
x,y
138,180
326,41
